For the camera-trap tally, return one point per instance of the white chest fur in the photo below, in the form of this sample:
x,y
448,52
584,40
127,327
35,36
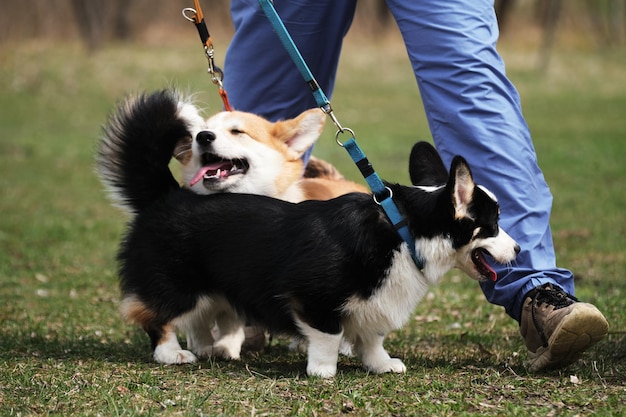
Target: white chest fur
x,y
390,306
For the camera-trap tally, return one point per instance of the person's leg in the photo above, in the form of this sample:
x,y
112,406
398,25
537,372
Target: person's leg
x,y
474,110
259,75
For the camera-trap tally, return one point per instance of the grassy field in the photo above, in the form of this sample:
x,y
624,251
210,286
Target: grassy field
x,y
65,351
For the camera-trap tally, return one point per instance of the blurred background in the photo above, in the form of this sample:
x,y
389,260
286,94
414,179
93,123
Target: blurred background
x,y
597,23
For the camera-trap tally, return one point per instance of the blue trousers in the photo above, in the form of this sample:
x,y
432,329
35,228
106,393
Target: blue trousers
x,y
472,108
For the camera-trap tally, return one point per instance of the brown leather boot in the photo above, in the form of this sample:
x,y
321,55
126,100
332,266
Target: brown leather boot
x,y
557,328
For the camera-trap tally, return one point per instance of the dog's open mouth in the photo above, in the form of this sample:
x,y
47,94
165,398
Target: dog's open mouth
x,y
484,269
215,168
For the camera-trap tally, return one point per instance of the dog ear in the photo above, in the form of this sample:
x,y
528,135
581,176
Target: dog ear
x,y
460,186
301,132
190,115
182,150
426,166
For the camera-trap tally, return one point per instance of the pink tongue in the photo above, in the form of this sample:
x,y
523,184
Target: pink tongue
x,y
492,273
203,170
485,264
199,176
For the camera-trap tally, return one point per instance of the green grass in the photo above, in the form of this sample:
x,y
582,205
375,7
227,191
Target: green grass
x,y
65,351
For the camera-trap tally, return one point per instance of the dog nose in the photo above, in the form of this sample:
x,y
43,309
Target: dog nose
x,y
517,249
205,137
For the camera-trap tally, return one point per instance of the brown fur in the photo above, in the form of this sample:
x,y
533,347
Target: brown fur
x,y
136,311
322,181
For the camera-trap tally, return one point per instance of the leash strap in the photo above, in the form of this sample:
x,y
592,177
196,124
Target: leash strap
x,y
365,167
379,190
319,96
196,17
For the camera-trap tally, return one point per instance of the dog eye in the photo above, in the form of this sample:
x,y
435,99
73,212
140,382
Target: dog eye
x,y
237,132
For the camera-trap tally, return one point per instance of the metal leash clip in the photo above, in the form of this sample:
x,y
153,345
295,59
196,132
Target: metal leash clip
x,y
196,17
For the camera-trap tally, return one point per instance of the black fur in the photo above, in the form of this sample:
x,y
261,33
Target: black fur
x,y
309,257
427,167
138,143
252,249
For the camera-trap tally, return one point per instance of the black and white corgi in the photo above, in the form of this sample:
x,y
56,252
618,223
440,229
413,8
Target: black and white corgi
x,y
322,270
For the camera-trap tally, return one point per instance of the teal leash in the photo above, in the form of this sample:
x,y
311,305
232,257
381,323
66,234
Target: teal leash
x,y
382,194
292,49
387,203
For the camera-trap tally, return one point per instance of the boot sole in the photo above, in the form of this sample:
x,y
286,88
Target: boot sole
x,y
578,331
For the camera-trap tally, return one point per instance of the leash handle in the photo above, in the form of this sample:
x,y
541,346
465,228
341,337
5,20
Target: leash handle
x,y
195,16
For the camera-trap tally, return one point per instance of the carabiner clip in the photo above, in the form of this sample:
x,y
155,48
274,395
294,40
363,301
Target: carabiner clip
x,y
329,111
341,131
389,196
191,18
217,75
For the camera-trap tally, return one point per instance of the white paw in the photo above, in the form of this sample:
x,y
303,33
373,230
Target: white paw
x,y
229,345
172,357
225,351
389,365
346,348
322,371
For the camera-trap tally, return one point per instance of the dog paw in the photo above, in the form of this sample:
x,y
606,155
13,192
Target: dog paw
x,y
174,357
389,365
227,350
346,348
225,353
322,371
229,345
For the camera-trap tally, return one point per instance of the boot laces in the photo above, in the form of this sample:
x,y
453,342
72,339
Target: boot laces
x,y
552,296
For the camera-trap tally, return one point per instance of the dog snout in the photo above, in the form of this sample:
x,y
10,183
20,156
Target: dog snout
x,y
205,137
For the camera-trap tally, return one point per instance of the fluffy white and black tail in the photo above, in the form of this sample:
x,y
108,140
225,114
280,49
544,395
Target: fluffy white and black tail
x,y
137,145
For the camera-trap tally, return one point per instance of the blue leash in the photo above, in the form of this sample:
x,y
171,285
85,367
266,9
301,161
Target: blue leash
x,y
365,167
